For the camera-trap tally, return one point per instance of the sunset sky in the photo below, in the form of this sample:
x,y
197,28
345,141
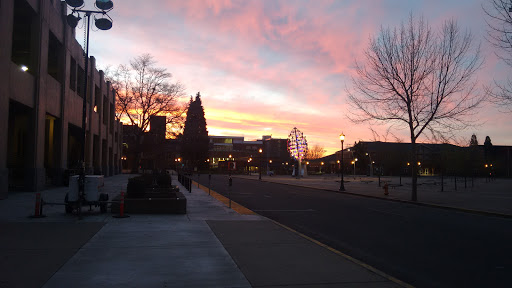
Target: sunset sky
x,y
264,67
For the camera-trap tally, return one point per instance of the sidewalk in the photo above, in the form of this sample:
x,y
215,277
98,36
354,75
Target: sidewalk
x,y
479,196
210,246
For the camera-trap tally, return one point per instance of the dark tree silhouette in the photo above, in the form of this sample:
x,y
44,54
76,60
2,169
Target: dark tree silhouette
x,y
473,141
144,90
416,79
195,135
488,150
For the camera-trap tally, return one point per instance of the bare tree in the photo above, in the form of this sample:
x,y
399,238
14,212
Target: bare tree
x,y
417,79
144,90
377,136
499,34
315,152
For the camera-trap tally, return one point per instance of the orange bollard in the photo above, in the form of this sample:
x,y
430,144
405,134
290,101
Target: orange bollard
x,y
38,211
121,208
386,189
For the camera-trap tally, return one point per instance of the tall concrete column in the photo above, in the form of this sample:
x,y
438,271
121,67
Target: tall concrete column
x,y
90,106
39,173
6,25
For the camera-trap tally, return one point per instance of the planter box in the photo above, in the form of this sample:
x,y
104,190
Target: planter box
x,y
154,203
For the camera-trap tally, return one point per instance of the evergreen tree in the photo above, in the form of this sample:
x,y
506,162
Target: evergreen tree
x,y
488,150
195,135
473,141
474,156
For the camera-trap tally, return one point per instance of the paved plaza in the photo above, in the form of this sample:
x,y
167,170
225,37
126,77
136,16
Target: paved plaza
x,y
210,246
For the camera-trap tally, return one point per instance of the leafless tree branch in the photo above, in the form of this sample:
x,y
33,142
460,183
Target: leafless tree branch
x,y
415,78
144,90
499,34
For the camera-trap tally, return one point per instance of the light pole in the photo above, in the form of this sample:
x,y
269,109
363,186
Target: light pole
x,y
354,162
103,23
342,139
260,151
371,164
229,165
177,160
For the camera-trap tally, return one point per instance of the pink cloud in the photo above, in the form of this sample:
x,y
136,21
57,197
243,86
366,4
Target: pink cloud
x,y
272,59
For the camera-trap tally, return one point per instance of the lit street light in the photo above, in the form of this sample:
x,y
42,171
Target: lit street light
x,y
371,164
177,160
342,139
354,162
260,151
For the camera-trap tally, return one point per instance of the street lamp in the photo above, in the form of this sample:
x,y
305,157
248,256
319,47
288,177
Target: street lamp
x,y
103,6
177,160
229,165
342,139
371,164
260,151
354,162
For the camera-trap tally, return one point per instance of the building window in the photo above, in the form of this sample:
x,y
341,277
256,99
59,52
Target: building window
x,y
111,118
80,77
23,32
54,57
72,74
105,110
97,98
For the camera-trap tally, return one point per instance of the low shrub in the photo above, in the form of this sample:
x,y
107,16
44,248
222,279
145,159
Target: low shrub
x,y
135,187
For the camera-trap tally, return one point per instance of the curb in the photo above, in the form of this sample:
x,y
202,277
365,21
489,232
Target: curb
x,y
460,209
352,259
224,200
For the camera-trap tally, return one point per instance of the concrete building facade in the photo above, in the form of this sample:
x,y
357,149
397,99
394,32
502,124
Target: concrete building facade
x,y
41,96
246,156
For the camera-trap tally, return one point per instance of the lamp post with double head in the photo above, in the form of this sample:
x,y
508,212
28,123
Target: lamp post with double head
x,y
102,23
342,139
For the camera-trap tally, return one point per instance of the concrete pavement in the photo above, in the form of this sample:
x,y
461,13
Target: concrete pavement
x,y
210,246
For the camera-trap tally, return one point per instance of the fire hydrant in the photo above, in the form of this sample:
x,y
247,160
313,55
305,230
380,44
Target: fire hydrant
x,y
385,187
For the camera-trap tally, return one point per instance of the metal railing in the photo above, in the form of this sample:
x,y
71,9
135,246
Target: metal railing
x,y
186,182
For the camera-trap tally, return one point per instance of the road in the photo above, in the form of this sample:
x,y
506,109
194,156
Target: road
x,y
423,246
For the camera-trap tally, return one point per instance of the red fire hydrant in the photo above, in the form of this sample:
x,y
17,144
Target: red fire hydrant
x,y
385,187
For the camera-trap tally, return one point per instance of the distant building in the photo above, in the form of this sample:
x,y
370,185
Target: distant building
x,y
246,155
149,150
158,126
234,149
432,159
41,96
